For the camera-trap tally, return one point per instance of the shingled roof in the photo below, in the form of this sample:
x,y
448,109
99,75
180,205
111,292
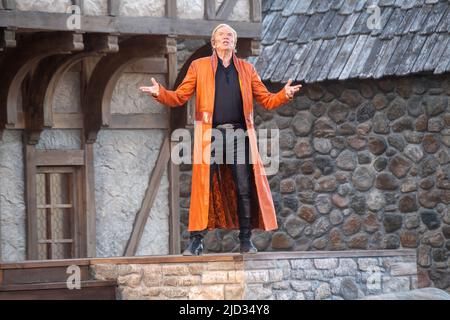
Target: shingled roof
x,y
316,40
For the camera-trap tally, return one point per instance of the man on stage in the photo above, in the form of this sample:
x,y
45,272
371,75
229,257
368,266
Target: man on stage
x,y
225,194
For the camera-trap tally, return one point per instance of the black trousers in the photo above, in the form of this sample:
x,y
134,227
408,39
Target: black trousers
x,y
235,149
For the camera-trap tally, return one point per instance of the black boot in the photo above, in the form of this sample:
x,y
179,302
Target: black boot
x,y
247,245
195,245
246,232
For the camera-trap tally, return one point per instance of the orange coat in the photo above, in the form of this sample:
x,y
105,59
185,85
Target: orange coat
x,y
216,206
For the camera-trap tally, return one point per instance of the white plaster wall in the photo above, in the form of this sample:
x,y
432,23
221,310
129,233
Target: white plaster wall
x,y
43,5
123,162
95,7
127,98
153,8
67,94
60,139
12,197
190,9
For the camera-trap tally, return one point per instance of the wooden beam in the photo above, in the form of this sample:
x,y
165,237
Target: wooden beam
x,y
172,61
80,234
174,175
225,9
150,195
210,9
101,43
9,4
113,7
31,205
171,8
59,157
255,10
174,198
139,121
7,38
89,201
67,121
195,28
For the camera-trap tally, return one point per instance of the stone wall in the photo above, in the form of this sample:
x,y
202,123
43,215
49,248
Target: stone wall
x,y
364,165
280,276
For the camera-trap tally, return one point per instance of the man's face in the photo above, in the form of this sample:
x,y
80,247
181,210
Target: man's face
x,y
223,39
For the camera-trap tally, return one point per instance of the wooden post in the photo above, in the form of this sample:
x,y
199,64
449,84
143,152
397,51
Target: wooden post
x,y
255,10
113,7
30,195
174,172
90,215
9,4
89,201
210,10
7,38
171,8
80,4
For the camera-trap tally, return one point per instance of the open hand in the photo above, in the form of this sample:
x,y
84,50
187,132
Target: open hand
x,y
153,90
291,90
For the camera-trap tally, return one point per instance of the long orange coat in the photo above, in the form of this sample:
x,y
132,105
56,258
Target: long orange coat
x,y
216,206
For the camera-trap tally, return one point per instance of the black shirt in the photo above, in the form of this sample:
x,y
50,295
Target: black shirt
x,y
228,106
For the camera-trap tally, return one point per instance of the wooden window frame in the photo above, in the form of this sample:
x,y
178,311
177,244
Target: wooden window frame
x,y
81,162
76,215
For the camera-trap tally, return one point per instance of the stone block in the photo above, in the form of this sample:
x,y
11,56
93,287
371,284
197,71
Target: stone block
x,y
395,284
175,270
403,269
365,264
131,280
302,264
234,292
220,265
181,281
256,276
257,292
211,277
330,263
281,285
347,267
323,291
196,268
301,285
105,271
276,275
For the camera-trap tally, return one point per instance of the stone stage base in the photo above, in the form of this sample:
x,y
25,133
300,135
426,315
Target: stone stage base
x,y
308,275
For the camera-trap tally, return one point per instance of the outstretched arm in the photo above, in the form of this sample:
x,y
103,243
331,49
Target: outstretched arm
x,y
272,100
174,98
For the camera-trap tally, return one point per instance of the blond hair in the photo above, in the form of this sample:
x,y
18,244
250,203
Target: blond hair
x,y
221,26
